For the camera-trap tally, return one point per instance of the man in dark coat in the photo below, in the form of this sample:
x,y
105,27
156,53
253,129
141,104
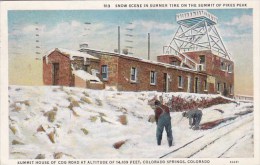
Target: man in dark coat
x,y
194,118
163,120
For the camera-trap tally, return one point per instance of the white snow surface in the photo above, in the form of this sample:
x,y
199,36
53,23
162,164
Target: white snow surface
x,y
85,75
72,53
98,113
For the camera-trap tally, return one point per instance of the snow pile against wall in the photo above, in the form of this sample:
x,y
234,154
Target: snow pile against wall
x,y
85,75
45,122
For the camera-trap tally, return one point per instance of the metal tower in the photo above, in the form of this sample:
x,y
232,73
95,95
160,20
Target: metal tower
x,y
196,32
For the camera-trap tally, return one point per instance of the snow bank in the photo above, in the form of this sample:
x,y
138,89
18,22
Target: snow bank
x,y
47,121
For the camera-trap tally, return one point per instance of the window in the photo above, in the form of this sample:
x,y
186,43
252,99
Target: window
x,y
104,72
230,69
225,86
202,59
231,89
223,66
174,63
218,87
201,67
153,77
180,82
205,85
133,74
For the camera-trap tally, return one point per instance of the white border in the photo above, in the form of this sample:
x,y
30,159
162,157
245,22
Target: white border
x,y
79,5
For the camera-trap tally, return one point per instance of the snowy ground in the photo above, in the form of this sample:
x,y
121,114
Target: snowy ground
x,y
63,122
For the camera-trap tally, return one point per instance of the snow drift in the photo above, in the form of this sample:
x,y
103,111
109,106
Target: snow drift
x,y
74,123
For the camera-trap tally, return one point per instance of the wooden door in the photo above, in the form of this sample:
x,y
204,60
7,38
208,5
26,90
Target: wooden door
x,y
55,73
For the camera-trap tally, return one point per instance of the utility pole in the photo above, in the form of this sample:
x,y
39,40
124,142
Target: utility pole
x,y
119,39
129,38
148,46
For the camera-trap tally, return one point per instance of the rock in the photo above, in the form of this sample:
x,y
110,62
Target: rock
x,y
86,100
93,118
99,102
61,155
101,114
40,156
102,119
84,130
55,109
86,94
51,115
13,129
57,155
74,113
18,89
117,145
40,129
151,119
70,106
15,107
123,119
74,102
16,142
51,137
70,99
26,102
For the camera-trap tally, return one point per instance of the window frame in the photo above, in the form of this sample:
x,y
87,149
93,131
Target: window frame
x,y
202,57
218,87
229,68
224,66
231,89
106,72
135,74
153,76
205,85
180,82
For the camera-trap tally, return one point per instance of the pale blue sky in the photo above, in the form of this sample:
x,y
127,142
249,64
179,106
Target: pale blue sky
x,y
66,29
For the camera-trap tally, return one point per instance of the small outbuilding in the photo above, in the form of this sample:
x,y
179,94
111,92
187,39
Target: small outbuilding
x,y
71,68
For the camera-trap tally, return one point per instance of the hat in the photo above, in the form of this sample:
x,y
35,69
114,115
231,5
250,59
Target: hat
x,y
157,102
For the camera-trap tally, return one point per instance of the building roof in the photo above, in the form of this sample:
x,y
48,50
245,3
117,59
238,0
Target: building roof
x,y
71,53
193,17
141,60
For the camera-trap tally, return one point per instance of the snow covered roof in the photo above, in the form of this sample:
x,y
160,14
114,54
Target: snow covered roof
x,y
85,75
72,53
143,60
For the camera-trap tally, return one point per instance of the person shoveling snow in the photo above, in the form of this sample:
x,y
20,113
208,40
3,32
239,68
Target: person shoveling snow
x,y
163,119
194,118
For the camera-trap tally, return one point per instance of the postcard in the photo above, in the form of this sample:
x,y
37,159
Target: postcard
x,y
130,82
